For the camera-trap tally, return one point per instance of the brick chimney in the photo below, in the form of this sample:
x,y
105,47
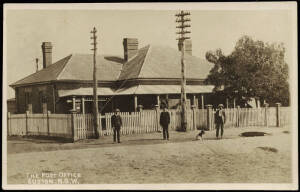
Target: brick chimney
x,y
188,47
47,54
131,46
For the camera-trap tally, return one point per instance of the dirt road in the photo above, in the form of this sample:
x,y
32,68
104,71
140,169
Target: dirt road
x,y
147,159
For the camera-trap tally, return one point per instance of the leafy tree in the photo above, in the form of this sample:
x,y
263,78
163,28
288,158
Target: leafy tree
x,y
253,69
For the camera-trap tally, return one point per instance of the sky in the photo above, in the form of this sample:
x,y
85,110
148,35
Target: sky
x,y
69,32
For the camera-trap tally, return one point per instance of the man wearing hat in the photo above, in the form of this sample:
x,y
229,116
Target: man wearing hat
x,y
116,122
220,120
165,121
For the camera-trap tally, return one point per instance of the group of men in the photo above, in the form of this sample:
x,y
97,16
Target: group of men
x,y
116,122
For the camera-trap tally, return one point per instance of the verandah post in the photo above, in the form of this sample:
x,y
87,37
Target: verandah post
x,y
278,114
135,102
233,102
227,103
83,105
194,117
202,101
209,108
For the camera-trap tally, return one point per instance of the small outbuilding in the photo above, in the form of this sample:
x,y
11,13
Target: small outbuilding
x,y
11,105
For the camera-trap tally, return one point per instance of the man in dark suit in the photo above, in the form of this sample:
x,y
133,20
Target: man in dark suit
x,y
164,122
220,120
116,122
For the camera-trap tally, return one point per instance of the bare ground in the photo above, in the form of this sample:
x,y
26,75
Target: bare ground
x,y
145,158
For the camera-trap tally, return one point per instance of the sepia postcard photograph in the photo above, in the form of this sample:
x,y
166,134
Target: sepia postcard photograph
x,y
151,96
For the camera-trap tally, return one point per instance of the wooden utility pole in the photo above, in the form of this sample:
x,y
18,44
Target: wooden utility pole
x,y
94,49
182,24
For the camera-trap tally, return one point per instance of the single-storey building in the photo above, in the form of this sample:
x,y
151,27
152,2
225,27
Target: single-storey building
x,y
144,77
11,105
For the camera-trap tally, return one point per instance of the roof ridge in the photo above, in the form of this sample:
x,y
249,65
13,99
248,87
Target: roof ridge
x,y
148,51
123,65
145,58
63,69
40,71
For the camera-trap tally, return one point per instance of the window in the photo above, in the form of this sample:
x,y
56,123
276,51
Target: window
x,y
27,95
28,105
42,102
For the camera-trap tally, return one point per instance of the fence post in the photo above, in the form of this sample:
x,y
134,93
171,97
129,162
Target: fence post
x,y
266,114
73,125
238,116
278,114
48,123
157,116
194,117
209,108
8,123
26,118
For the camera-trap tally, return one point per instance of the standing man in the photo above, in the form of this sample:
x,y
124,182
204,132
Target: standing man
x,y
220,120
116,122
164,122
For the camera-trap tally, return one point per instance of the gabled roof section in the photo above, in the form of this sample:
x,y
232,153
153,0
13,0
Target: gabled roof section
x,y
44,75
132,68
76,67
163,62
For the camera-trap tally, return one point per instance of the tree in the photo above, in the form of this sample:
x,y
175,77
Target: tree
x,y
253,69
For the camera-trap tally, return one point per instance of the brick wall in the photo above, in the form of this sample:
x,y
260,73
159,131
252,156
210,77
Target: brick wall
x,y
33,93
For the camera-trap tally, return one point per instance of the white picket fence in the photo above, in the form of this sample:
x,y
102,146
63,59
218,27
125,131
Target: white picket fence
x,y
285,116
81,126
16,124
56,125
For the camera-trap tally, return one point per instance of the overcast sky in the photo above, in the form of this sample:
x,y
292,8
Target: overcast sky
x,y
69,32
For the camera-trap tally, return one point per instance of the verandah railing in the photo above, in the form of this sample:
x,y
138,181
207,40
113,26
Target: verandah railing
x,y
80,126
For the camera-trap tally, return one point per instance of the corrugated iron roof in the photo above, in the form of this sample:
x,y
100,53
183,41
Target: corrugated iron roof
x,y
172,89
75,67
138,90
132,68
163,62
80,67
85,91
150,62
11,99
44,75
